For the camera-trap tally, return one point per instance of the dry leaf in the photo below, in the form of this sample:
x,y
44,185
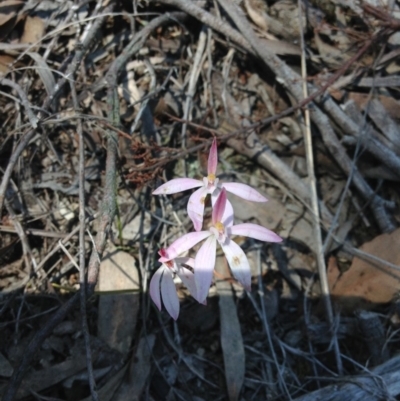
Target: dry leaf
x,y
365,283
287,13
118,310
391,105
267,214
118,272
296,226
33,30
331,55
44,72
5,61
257,11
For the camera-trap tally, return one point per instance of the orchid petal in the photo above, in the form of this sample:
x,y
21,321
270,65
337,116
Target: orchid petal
x,y
219,207
213,158
169,296
227,218
183,244
185,261
177,185
244,191
195,207
238,263
204,264
187,278
154,287
255,231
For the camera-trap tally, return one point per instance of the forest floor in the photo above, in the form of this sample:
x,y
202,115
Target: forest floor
x,y
102,102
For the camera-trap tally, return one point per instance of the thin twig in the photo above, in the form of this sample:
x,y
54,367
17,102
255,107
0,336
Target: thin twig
x,y
26,249
36,232
24,100
194,76
82,253
267,328
320,257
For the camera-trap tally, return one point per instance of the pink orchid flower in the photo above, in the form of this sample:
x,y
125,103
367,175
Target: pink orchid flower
x,y
209,185
221,231
163,282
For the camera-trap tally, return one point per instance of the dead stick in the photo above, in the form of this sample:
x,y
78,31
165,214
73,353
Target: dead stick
x,y
82,254
319,256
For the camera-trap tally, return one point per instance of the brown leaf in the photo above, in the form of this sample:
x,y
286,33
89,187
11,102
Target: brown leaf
x,y
118,272
267,214
331,55
117,310
33,30
391,105
5,61
364,282
257,13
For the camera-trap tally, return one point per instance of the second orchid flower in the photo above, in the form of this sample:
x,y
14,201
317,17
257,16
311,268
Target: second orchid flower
x,y
220,232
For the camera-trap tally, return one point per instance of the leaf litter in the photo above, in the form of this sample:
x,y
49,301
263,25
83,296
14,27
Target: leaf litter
x,y
184,73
